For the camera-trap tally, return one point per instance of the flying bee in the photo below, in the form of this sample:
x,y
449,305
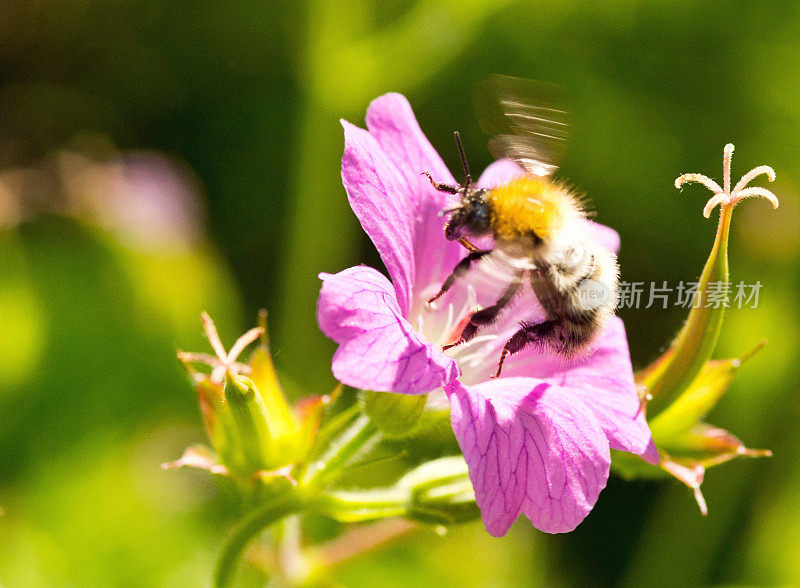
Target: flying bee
x,y
538,224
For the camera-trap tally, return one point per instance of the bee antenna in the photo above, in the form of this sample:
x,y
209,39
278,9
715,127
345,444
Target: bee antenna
x,y
467,176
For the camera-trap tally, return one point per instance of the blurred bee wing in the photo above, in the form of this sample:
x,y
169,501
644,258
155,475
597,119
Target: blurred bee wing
x,y
526,123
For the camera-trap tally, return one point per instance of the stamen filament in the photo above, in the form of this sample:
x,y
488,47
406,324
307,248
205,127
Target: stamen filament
x,y
757,191
699,179
754,173
727,155
224,361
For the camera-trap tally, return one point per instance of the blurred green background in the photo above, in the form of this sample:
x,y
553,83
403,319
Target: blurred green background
x,y
161,158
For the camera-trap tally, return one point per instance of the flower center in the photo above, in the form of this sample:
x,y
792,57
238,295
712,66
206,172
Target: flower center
x,y
441,323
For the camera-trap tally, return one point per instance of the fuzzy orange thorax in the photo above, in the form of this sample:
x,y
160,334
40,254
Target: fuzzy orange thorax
x,y
529,204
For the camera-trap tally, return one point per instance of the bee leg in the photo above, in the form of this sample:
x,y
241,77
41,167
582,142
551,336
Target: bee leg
x,y
462,267
488,314
527,335
440,187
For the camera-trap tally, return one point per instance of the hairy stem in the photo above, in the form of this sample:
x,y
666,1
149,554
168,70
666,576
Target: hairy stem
x,y
342,449
248,529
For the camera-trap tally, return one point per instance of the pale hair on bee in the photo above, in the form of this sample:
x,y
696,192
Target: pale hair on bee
x,y
539,228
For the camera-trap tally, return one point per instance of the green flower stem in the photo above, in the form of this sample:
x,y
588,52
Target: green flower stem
x,y
342,449
697,339
249,528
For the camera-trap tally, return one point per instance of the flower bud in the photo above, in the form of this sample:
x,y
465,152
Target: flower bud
x,y
256,434
438,492
441,492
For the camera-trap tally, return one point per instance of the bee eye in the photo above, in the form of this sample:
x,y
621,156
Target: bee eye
x,y
479,218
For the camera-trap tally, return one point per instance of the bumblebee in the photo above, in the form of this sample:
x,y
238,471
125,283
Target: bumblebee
x,y
541,226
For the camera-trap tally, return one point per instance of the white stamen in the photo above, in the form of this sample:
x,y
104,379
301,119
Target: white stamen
x,y
753,174
726,197
480,350
756,191
448,324
727,155
713,201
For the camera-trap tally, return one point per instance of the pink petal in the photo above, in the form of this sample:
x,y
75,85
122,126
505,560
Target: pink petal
x,y
498,173
393,124
378,195
605,236
378,348
530,448
603,380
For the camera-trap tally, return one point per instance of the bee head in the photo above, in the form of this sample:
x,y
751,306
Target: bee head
x,y
471,217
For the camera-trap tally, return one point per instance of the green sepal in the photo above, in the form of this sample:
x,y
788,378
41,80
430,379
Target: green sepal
x,y
335,426
279,416
707,445
355,438
699,397
309,412
219,423
357,506
282,421
395,415
249,414
435,473
630,466
442,492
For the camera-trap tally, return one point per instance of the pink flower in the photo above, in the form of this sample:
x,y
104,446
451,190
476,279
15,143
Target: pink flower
x,y
537,439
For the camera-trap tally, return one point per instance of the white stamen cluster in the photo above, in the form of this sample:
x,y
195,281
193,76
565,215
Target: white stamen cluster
x,y
726,197
444,324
